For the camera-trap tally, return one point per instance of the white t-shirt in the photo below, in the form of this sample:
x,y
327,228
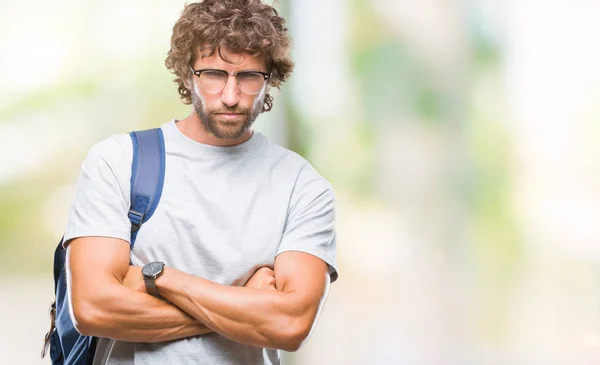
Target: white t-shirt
x,y
224,211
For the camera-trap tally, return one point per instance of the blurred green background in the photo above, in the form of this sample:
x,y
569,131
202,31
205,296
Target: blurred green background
x,y
462,139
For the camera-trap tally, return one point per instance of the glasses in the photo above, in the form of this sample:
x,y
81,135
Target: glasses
x,y
213,81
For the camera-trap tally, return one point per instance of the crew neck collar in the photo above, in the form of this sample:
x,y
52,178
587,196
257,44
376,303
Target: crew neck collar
x,y
175,133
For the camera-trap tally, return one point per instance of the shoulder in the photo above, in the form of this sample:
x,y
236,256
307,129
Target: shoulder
x,y
113,153
306,176
115,148
292,162
110,160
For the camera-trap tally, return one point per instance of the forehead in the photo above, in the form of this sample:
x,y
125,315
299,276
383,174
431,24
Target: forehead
x,y
237,61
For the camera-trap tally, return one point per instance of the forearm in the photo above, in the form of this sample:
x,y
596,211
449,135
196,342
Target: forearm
x,y
261,318
124,314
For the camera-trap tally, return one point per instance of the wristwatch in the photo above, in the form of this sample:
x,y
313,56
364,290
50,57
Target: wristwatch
x,y
151,272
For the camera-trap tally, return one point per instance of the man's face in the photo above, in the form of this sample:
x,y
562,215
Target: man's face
x,y
230,113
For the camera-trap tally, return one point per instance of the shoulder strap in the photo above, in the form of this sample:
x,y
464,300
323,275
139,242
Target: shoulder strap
x,y
147,176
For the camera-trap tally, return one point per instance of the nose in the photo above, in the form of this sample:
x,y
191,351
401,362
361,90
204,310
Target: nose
x,y
230,95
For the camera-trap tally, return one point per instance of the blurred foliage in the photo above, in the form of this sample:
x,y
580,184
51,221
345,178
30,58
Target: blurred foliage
x,y
392,81
495,246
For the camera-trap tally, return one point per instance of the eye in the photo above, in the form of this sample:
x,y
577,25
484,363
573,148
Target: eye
x,y
250,77
214,74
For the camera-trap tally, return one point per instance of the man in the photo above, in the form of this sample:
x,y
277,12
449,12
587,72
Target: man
x,y
242,242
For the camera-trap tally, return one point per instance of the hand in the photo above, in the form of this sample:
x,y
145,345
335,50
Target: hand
x,y
134,279
263,278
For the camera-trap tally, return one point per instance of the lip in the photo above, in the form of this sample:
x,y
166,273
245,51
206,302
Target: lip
x,y
229,115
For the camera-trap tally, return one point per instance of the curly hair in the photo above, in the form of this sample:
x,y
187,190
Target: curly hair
x,y
238,26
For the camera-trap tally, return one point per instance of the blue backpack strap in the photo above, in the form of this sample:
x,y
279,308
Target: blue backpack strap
x,y
147,176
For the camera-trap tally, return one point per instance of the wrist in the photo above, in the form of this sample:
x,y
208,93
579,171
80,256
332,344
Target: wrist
x,y
150,273
162,280
170,282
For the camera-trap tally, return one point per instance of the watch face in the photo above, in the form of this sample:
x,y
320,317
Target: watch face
x,y
153,269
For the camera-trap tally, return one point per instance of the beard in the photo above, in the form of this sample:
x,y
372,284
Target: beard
x,y
227,129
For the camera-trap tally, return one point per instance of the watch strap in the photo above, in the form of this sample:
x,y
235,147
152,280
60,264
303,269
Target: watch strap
x,y
151,287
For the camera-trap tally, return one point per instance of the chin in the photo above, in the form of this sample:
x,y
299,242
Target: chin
x,y
230,133
232,130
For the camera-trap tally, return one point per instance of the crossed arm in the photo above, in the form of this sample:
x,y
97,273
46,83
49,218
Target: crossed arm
x,y
275,309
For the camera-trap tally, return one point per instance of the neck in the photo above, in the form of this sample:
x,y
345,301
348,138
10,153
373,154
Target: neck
x,y
192,127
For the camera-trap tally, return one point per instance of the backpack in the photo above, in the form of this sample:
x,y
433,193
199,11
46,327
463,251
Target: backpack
x,y
67,346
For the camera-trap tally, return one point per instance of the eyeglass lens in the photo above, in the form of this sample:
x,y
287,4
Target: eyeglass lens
x,y
214,81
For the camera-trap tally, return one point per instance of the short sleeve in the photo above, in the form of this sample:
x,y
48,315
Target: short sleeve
x,y
101,201
310,224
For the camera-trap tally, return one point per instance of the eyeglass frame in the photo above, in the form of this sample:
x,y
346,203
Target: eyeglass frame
x,y
199,72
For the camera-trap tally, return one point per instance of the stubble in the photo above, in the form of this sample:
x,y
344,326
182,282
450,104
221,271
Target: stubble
x,y
222,128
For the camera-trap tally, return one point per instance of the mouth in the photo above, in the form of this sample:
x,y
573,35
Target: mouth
x,y
230,115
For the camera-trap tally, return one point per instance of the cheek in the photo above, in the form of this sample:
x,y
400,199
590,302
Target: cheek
x,y
259,99
197,91
250,100
210,102
245,101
